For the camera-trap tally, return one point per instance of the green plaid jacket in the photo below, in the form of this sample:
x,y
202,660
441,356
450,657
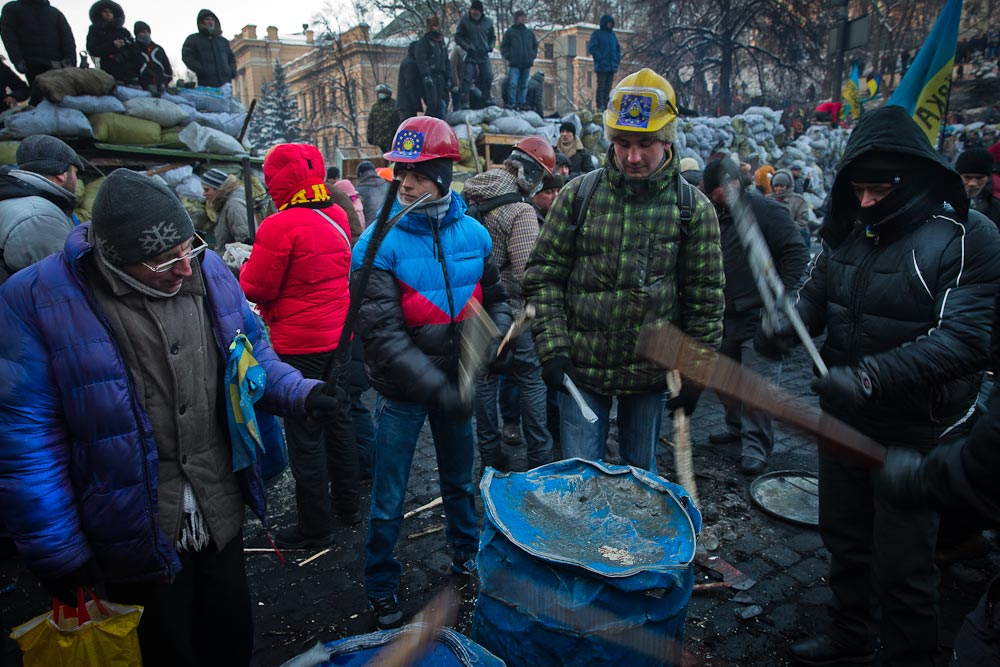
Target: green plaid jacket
x,y
628,265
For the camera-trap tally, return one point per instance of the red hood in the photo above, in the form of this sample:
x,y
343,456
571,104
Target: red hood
x,y
995,152
293,168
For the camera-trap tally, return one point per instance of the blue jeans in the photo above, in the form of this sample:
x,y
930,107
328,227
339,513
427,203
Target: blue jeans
x,y
397,426
526,371
518,85
510,400
639,419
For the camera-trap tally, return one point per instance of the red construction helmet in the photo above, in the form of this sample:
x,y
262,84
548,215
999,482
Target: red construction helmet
x,y
539,150
423,138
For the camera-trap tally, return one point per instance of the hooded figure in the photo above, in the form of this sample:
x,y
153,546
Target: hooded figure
x,y
154,67
905,290
110,41
207,52
607,54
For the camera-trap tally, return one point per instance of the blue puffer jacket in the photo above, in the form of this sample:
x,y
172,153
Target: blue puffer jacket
x,y
604,48
78,462
424,278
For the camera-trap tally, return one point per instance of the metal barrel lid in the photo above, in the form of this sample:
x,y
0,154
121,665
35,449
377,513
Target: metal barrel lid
x,y
791,495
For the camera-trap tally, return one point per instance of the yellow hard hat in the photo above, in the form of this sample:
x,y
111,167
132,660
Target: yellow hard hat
x,y
641,102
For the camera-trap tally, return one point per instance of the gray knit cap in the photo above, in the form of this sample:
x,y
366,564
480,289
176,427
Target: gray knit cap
x,y
46,155
136,217
214,178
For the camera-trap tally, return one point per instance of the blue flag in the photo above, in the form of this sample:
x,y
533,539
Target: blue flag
x,y
924,90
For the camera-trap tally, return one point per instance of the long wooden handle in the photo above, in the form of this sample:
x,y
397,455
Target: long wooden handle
x,y
668,347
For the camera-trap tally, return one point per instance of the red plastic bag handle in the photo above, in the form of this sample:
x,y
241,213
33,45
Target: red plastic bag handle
x,y
80,612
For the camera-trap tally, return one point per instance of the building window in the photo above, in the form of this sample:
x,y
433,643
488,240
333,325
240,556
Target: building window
x,y
550,50
549,96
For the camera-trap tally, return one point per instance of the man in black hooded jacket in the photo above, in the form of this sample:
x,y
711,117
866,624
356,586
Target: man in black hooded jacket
x,y
111,43
207,52
905,290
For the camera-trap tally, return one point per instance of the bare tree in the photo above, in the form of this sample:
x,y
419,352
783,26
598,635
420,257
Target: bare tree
x,y
762,41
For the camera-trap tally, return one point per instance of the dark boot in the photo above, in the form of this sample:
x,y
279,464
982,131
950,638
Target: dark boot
x,y
823,650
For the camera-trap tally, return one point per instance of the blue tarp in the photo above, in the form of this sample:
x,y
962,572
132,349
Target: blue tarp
x,y
583,563
450,649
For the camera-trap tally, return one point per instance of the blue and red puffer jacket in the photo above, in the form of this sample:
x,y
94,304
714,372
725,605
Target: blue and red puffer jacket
x,y
424,278
78,461
297,272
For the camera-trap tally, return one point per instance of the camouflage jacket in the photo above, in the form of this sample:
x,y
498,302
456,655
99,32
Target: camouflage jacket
x,y
383,120
629,264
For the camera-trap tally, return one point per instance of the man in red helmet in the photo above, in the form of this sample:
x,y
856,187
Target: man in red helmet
x,y
503,196
426,273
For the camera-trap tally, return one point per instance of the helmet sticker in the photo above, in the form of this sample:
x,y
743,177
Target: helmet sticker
x,y
635,110
408,144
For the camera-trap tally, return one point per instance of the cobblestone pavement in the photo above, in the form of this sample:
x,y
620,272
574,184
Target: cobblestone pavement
x,y
296,605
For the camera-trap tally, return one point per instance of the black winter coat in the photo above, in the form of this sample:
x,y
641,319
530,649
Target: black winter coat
x,y
36,34
154,66
986,203
409,88
10,81
535,96
912,299
519,46
477,38
784,240
121,62
209,56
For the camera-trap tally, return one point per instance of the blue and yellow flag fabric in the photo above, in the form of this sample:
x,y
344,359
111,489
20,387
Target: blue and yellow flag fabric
x,y
924,89
245,381
852,93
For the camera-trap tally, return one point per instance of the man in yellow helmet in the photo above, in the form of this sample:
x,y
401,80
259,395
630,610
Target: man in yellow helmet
x,y
624,246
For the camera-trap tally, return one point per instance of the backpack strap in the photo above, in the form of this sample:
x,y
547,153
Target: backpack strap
x,y
334,224
480,208
583,196
685,201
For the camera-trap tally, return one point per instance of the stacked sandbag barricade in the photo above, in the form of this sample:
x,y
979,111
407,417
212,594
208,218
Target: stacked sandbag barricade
x,y
86,104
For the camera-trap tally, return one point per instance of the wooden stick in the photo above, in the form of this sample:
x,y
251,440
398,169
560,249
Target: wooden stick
x,y
413,640
668,347
434,503
472,144
314,557
421,533
682,439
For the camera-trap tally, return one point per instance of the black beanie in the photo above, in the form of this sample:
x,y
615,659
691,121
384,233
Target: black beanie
x,y
884,167
136,217
438,170
568,127
477,5
974,161
141,26
718,172
42,154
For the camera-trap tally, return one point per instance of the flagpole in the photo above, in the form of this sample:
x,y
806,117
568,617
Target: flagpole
x,y
944,116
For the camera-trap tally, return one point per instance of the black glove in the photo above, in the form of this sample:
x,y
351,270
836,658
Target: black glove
x,y
63,588
323,407
777,343
686,399
450,401
553,371
500,365
900,478
845,388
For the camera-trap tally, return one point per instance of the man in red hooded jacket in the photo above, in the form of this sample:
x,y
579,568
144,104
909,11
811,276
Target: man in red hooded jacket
x,y
297,275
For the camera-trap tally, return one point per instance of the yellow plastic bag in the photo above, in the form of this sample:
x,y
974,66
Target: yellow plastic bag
x,y
95,634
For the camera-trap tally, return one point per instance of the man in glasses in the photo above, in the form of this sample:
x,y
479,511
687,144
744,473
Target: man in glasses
x,y
116,460
621,247
36,202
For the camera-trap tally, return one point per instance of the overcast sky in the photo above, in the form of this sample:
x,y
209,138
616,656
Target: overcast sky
x,y
173,20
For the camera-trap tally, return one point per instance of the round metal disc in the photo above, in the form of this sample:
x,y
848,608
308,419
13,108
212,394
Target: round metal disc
x,y
792,495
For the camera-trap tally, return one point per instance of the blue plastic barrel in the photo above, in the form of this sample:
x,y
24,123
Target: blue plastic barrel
x,y
583,563
449,649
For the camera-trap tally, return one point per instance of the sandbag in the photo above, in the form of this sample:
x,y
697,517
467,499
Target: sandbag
x,y
533,118
85,201
56,84
206,99
169,138
463,133
179,100
511,125
90,104
116,128
230,123
8,152
48,118
162,112
125,93
458,118
208,140
175,176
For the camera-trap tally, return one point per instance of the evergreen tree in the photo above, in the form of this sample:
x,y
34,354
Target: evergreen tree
x,y
276,119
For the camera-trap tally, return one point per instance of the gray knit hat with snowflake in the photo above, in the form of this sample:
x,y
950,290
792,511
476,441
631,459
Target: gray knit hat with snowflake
x,y
136,217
